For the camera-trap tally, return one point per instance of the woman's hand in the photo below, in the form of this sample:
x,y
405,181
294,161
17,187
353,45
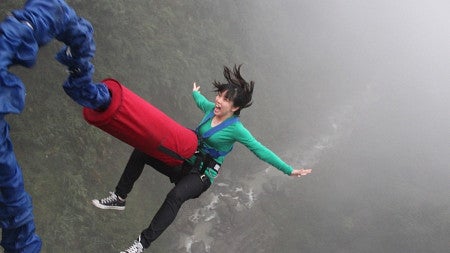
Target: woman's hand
x,y
300,172
195,87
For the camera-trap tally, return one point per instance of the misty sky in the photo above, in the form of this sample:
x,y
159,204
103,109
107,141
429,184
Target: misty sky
x,y
395,53
368,94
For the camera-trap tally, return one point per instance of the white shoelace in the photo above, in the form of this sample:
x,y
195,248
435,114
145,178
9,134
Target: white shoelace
x,y
111,198
135,248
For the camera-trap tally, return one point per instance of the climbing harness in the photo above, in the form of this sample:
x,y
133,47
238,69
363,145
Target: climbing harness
x,y
205,155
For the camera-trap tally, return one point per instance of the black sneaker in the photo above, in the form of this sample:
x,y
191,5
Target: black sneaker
x,y
111,202
135,248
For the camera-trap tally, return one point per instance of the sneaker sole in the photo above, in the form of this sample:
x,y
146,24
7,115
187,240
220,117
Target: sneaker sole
x,y
96,203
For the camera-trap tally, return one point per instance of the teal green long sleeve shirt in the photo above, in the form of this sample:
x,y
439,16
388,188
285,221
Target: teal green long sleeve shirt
x,y
224,139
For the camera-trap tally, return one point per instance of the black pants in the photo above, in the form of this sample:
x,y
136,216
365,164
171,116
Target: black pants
x,y
188,185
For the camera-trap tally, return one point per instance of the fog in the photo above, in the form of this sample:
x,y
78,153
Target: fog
x,y
355,90
364,92
369,82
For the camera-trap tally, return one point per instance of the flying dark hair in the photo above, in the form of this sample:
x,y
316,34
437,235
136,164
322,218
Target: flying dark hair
x,y
237,89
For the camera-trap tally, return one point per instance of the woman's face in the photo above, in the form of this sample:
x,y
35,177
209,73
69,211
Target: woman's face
x,y
224,106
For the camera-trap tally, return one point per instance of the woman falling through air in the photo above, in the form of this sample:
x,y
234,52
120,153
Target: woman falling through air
x,y
219,129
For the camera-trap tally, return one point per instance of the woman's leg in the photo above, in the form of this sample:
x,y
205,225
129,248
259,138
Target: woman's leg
x,y
131,173
189,187
133,170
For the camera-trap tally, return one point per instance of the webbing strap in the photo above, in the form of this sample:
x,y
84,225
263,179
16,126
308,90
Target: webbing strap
x,y
206,118
217,128
170,152
213,152
204,161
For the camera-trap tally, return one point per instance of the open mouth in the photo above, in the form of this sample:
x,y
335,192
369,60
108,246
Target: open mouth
x,y
217,108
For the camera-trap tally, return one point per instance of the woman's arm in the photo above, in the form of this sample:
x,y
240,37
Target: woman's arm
x,y
202,103
267,155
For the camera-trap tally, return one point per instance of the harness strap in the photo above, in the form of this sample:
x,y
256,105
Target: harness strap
x,y
217,128
211,151
204,161
206,118
170,152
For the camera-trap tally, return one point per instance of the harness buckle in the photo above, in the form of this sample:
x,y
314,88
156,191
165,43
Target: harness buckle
x,y
216,167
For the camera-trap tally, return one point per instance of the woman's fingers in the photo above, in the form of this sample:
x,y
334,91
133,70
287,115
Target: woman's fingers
x,y
195,87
